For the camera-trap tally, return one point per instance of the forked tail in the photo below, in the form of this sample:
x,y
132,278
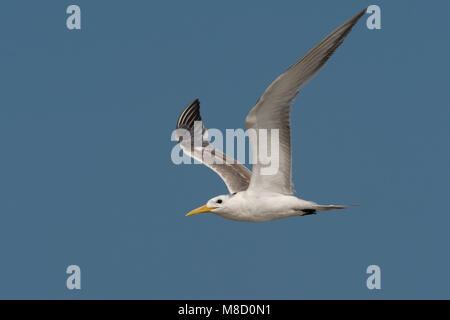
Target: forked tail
x,y
320,207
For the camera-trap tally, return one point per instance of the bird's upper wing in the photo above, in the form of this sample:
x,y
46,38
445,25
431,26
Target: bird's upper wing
x,y
272,110
235,175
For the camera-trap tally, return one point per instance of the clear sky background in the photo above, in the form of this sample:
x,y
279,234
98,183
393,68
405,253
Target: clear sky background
x,y
86,176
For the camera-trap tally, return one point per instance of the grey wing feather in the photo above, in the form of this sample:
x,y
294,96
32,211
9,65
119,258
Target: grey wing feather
x,y
235,175
272,110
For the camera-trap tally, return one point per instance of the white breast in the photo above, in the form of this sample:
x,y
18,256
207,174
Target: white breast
x,y
259,207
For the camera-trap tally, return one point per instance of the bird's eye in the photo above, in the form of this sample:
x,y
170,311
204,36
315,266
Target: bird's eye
x,y
219,201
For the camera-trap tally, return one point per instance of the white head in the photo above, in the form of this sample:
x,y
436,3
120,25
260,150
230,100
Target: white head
x,y
215,205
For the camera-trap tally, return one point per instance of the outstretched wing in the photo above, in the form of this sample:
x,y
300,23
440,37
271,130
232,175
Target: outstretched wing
x,y
235,175
273,109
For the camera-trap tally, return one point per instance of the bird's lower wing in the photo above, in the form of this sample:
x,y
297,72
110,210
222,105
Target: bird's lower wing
x,y
272,111
192,137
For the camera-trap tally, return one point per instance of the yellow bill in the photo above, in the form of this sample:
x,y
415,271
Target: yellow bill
x,y
202,209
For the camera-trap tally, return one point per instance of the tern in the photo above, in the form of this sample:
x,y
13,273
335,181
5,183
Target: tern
x,y
255,197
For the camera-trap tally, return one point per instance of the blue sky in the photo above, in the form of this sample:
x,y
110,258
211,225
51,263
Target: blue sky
x,y
86,176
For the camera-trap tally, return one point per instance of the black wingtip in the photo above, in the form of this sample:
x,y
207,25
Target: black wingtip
x,y
350,23
353,20
361,13
189,115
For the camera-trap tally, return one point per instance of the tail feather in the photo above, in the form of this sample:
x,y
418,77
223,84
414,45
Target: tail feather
x,y
320,207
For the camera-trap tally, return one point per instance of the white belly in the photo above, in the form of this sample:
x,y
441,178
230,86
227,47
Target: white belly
x,y
260,207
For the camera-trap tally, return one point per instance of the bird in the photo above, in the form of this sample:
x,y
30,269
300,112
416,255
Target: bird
x,y
255,197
